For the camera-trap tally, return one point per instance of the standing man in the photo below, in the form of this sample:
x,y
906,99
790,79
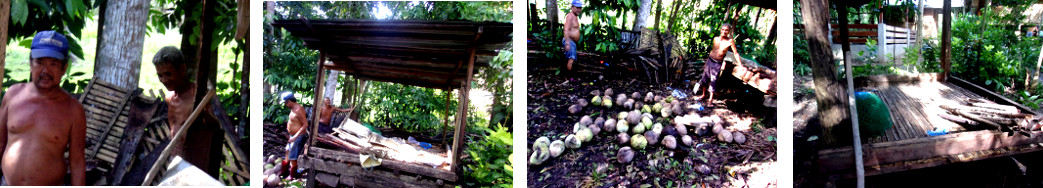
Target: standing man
x,y
296,125
714,64
326,117
40,121
203,137
572,32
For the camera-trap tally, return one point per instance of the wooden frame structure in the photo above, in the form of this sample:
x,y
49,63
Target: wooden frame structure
x,y
923,152
432,54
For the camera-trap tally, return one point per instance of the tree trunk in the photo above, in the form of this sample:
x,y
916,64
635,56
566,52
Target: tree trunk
x,y
206,70
771,34
119,57
658,14
331,84
829,93
642,15
552,16
673,16
5,18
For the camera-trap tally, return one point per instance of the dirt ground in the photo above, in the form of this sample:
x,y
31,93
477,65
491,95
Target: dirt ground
x,y
1024,170
710,163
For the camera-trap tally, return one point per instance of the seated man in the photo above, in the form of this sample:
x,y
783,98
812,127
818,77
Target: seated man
x,y
39,121
326,117
203,138
297,126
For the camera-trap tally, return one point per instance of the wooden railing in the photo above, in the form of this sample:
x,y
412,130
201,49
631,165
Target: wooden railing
x,y
860,33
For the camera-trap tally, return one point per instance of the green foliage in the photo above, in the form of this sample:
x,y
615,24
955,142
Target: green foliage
x,y
986,50
489,164
928,54
167,14
1030,100
408,108
65,16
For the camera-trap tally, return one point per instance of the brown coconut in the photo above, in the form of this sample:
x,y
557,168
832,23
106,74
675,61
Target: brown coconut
x,y
609,125
575,108
625,155
738,137
687,140
582,102
585,120
623,138
725,136
670,142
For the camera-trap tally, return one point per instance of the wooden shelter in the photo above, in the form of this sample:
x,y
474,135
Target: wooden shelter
x,y
913,102
431,54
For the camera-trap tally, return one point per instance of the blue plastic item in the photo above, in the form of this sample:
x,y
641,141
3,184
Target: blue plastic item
x,y
425,145
937,132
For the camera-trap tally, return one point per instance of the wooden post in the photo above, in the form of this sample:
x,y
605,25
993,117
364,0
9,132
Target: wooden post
x,y
5,17
314,122
946,39
445,115
465,90
204,68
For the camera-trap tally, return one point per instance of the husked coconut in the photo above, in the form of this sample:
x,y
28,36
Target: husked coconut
x,y
623,138
582,102
625,155
658,98
635,95
575,108
585,120
556,148
610,125
681,129
594,129
649,97
595,92
724,136
634,117
717,128
608,92
629,104
739,138
687,140
599,121
670,142
678,110
621,98
572,142
651,137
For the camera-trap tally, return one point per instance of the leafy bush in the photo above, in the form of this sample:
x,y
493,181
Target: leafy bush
x,y
491,159
986,50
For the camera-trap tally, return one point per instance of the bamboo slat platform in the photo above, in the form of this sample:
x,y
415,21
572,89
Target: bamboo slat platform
x,y
913,103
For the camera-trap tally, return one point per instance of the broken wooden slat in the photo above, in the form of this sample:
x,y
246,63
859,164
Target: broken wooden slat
x,y
390,164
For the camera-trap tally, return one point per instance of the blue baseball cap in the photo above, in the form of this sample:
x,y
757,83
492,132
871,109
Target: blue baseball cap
x,y
577,3
49,44
287,96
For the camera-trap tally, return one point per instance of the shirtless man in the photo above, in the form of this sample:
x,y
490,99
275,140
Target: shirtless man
x,y
572,32
170,68
201,138
714,64
326,117
296,125
40,121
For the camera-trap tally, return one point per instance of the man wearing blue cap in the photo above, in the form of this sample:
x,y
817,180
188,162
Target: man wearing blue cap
x,y
572,32
296,125
39,121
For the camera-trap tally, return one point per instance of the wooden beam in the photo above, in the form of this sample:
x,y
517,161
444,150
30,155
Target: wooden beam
x,y
353,159
320,77
178,137
839,159
946,39
465,91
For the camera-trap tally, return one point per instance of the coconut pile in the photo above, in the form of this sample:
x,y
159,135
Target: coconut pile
x,y
642,122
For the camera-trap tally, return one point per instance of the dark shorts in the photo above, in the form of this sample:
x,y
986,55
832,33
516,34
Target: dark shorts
x,y
571,53
297,146
710,73
325,128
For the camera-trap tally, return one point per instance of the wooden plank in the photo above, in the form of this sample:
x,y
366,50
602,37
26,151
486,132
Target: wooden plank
x,y
141,113
121,106
353,158
839,159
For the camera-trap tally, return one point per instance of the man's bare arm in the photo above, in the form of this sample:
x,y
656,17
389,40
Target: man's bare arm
x,y
77,139
344,109
3,121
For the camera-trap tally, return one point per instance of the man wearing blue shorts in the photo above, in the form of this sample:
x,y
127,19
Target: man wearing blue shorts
x,y
572,32
297,126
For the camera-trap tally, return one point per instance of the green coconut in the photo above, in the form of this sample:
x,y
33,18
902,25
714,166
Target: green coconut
x,y
647,122
538,156
572,142
666,112
657,107
646,109
621,126
607,103
638,141
622,116
638,129
543,141
596,101
585,134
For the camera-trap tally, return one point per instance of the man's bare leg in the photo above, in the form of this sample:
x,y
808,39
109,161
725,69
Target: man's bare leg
x,y
569,66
